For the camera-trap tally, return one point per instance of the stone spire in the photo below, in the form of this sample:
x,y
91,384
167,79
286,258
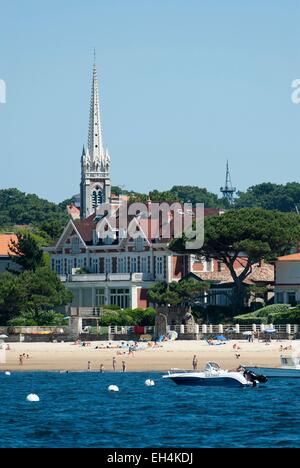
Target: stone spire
x,y
95,186
95,143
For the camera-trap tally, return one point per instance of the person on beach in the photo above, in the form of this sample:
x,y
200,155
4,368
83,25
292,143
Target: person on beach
x,y
195,362
114,364
101,368
21,360
89,366
123,366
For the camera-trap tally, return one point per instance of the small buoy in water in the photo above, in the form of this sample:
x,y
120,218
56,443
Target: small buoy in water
x,y
149,383
32,397
7,373
113,388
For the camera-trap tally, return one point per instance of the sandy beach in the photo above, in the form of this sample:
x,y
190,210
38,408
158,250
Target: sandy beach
x,y
73,357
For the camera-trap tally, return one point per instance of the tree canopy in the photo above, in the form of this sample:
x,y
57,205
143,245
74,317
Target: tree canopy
x,y
271,197
251,233
32,292
26,250
183,293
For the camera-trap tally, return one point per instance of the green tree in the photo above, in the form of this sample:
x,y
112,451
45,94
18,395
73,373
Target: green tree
x,y
17,207
271,197
183,293
53,228
31,292
43,290
254,233
11,296
26,251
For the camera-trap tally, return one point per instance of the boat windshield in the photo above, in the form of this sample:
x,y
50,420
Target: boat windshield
x,y
290,361
209,366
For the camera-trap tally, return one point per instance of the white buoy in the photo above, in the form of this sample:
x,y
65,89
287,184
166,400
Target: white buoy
x,y
149,383
32,397
7,373
113,388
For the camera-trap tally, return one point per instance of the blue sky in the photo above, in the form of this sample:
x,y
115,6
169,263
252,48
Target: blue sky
x,y
184,85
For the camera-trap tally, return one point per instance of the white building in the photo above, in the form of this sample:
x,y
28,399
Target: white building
x,y
287,279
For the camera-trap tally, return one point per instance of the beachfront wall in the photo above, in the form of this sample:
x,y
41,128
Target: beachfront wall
x,y
188,331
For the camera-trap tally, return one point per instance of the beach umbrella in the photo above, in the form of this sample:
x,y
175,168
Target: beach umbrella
x,y
220,338
172,335
230,330
270,330
247,333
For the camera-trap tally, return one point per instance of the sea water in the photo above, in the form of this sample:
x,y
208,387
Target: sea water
x,y
76,410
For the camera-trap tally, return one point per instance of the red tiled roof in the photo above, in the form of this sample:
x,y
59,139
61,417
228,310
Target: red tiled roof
x,y
259,274
5,240
289,258
148,225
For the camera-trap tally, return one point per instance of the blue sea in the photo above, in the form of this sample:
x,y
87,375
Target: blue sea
x,y
76,410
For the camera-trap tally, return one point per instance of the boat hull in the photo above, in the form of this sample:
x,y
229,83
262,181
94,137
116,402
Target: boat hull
x,y
206,382
276,372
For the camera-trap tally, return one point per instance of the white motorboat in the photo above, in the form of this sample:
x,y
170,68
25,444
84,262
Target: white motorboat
x,y
289,368
212,375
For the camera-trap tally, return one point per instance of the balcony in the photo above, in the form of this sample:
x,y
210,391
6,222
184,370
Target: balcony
x,y
87,277
86,312
98,277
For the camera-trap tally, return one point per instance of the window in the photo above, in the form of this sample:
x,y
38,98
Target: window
x,y
159,265
122,265
107,265
58,267
291,298
75,244
133,265
70,265
53,264
100,297
279,298
139,244
97,197
95,265
120,297
144,265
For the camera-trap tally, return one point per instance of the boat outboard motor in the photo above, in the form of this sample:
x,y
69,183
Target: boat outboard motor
x,y
261,378
254,378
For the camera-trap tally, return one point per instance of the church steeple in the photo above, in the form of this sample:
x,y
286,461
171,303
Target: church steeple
x,y
95,160
95,144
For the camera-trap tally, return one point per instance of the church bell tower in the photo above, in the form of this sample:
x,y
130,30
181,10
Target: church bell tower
x,y
95,186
